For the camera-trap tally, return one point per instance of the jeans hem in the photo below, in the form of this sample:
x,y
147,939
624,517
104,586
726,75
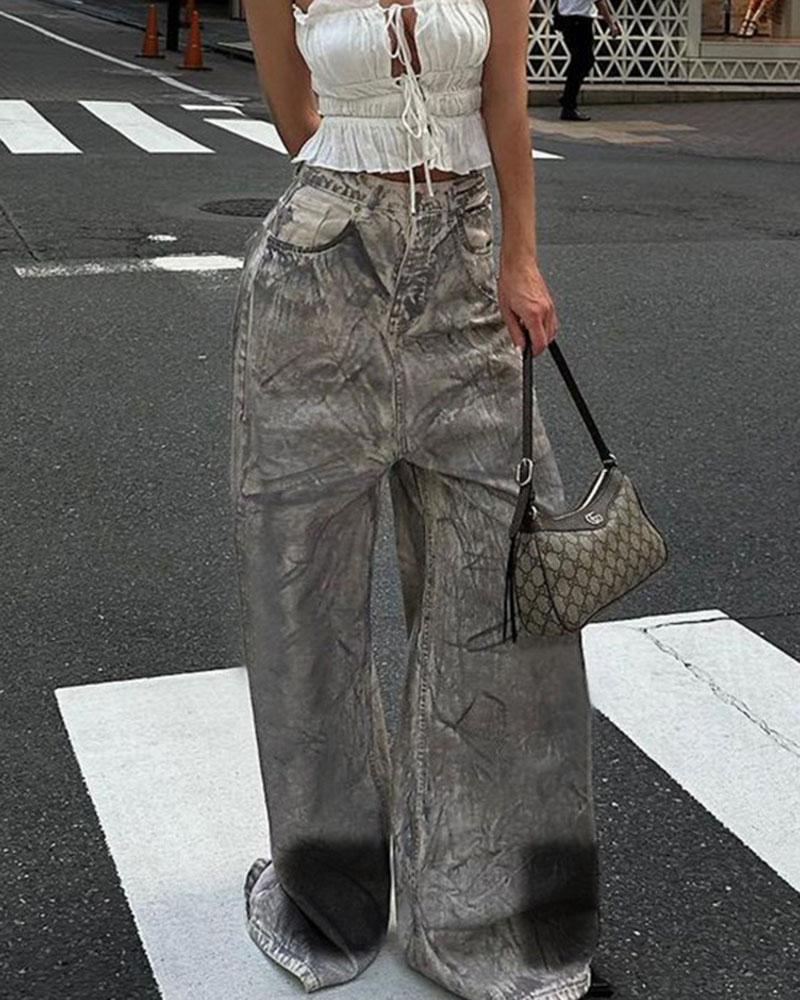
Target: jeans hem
x,y
271,947
570,989
573,989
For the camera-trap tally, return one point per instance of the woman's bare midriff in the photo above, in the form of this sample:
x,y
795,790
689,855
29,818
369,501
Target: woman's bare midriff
x,y
419,174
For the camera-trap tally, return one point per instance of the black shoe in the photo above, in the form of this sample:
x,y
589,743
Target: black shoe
x,y
573,115
599,987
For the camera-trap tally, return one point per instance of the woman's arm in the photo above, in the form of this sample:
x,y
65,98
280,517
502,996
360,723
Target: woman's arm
x,y
282,72
522,291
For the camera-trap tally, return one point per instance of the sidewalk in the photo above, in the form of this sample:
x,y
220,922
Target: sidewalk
x,y
764,131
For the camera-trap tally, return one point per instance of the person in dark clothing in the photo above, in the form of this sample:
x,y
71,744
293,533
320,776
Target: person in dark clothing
x,y
575,20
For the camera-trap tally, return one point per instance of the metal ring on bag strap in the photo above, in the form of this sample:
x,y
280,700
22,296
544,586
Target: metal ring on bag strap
x,y
524,469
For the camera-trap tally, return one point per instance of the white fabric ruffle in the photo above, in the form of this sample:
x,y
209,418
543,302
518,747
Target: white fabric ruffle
x,y
384,144
375,120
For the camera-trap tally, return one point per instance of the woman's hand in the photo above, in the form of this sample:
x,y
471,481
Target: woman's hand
x,y
523,295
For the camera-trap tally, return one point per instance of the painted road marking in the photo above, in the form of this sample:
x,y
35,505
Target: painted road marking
x,y
143,130
182,825
718,708
253,129
213,107
171,765
170,81
183,263
24,130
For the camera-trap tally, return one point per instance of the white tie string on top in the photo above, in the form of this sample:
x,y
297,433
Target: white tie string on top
x,y
415,118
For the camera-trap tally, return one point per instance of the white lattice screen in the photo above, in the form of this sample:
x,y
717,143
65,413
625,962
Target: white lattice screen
x,y
654,48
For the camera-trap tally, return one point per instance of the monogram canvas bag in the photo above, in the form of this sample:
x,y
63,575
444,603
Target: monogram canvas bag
x,y
562,568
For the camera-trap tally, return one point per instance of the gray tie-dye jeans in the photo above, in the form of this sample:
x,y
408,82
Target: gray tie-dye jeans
x,y
368,341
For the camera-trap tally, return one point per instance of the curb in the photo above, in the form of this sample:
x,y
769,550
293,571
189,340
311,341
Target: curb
x,y
544,94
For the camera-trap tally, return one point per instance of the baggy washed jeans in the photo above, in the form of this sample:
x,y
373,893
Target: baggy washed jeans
x,y
369,342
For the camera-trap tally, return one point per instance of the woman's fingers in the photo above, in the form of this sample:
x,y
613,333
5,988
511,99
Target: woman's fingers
x,y
514,327
525,303
540,320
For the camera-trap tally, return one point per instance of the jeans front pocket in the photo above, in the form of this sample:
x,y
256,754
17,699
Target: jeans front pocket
x,y
310,220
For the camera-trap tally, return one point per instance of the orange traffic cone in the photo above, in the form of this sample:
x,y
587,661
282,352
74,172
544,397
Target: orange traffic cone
x,y
193,54
188,10
150,45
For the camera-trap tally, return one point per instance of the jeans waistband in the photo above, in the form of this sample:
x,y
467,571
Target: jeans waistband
x,y
374,191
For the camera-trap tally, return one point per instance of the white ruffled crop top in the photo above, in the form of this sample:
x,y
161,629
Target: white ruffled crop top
x,y
374,121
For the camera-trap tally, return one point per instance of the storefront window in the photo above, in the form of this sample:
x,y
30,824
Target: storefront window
x,y
752,19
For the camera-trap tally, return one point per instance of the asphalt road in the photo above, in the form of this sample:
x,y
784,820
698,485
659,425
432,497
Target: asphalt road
x,y
674,267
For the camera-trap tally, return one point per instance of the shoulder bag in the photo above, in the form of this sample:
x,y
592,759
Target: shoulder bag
x,y
562,568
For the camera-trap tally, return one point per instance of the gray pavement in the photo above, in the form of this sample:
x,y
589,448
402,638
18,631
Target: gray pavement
x,y
217,26
673,264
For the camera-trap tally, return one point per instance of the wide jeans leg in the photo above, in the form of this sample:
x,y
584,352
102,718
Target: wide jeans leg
x,y
309,430
494,834
493,824
386,354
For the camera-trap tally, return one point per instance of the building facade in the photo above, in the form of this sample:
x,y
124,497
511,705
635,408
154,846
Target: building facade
x,y
673,42
679,41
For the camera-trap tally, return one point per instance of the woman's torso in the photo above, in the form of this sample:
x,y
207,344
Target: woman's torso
x,y
398,84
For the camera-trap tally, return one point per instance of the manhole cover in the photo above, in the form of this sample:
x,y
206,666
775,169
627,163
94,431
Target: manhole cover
x,y
257,207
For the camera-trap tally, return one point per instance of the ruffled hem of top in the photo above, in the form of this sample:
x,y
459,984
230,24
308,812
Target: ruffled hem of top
x,y
360,144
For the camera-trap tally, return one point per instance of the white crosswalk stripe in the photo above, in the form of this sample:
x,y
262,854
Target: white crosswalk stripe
x,y
717,707
231,108
181,263
24,130
709,701
261,132
142,129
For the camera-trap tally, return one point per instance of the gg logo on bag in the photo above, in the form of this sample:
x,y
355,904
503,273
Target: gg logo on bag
x,y
594,517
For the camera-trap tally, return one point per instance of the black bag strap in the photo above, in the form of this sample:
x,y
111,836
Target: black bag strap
x,y
524,473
